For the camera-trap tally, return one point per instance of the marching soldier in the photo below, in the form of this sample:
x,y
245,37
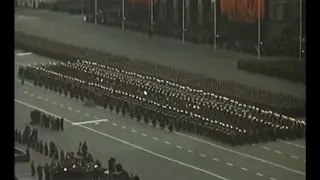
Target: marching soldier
x,y
162,123
46,170
170,126
39,171
61,124
21,75
46,150
28,153
123,111
79,148
33,169
117,109
38,146
84,148
56,154
62,155
111,107
146,118
41,147
154,122
51,148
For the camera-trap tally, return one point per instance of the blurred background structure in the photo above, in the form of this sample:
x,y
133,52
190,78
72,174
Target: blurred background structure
x,y
279,25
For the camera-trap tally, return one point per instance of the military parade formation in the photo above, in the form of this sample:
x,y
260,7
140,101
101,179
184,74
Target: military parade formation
x,y
164,103
46,121
80,165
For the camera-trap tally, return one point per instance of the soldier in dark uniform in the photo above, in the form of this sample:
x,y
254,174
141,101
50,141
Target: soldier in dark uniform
x,y
170,126
117,109
39,171
33,168
162,123
41,147
111,106
56,154
46,150
51,149
46,170
154,122
61,124
19,137
72,93
60,89
177,125
28,153
146,118
123,111
104,104
84,148
21,75
111,164
138,115
77,95
62,155
38,146
79,148
52,123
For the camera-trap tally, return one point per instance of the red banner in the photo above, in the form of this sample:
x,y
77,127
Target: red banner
x,y
243,10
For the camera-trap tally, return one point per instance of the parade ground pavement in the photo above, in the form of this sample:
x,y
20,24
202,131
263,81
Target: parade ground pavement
x,y
195,58
150,152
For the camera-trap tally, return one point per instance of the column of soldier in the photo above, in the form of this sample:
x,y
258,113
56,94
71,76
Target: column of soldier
x,y
41,119
250,94
59,167
166,103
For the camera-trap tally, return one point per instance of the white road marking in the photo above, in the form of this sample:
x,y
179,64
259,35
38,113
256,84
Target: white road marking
x,y
70,108
114,124
295,157
167,142
279,152
229,164
155,138
202,155
61,105
273,178
123,127
266,148
86,114
144,135
39,97
190,151
46,100
215,159
179,147
259,174
96,123
77,111
26,92
132,130
89,122
242,154
244,169
24,54
292,144
31,94
127,143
